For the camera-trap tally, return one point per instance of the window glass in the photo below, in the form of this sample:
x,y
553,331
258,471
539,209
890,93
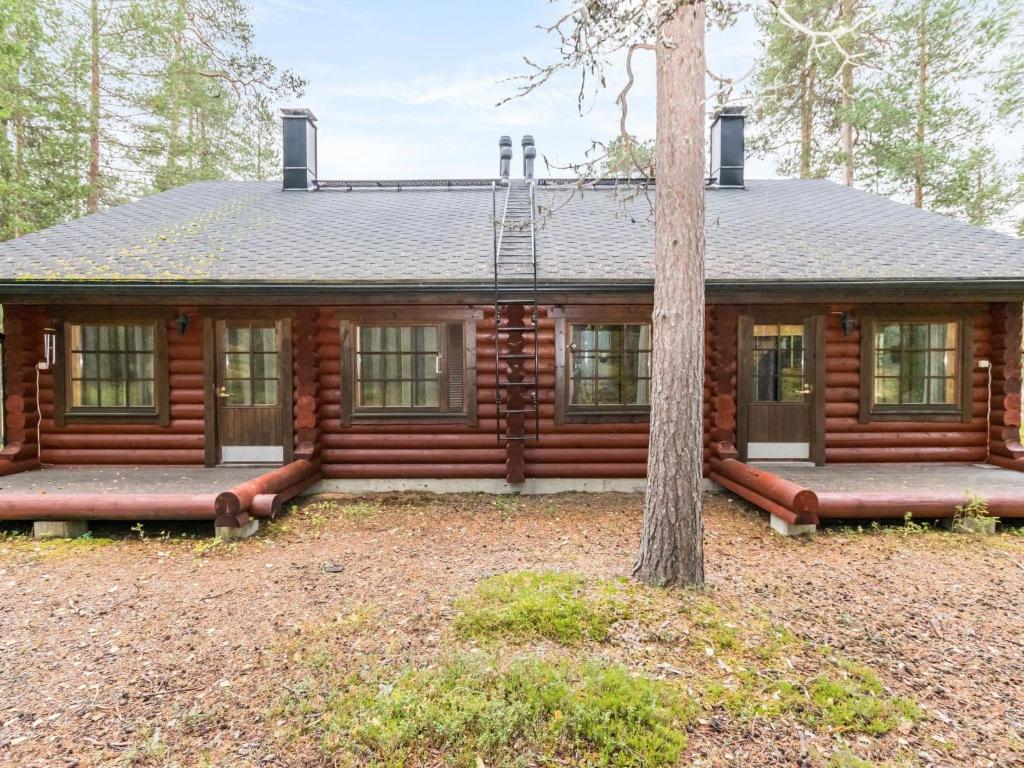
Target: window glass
x,y
398,367
251,364
915,363
778,363
111,366
610,364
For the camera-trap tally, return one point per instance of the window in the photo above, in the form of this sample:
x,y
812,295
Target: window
x,y
914,367
778,364
610,367
111,367
251,364
398,367
409,370
915,363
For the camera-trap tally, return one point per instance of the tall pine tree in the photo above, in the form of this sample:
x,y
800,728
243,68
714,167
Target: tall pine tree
x,y
41,119
924,132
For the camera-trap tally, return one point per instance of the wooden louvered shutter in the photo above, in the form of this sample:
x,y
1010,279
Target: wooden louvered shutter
x,y
456,353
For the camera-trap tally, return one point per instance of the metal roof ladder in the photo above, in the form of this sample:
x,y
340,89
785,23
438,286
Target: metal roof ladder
x,y
516,382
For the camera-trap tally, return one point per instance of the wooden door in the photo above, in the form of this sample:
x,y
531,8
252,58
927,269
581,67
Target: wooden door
x,y
253,391
778,387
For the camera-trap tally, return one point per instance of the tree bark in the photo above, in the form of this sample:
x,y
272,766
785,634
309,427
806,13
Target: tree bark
x,y
922,104
671,545
846,128
93,203
807,119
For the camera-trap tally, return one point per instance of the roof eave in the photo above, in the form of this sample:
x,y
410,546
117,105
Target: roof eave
x,y
752,291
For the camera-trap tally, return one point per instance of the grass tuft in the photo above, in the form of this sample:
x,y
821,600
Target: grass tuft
x,y
527,712
550,605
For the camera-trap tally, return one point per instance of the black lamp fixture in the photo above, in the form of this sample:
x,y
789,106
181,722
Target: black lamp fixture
x,y
182,321
847,323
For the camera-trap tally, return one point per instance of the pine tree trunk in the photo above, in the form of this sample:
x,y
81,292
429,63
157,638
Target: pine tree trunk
x,y
846,129
671,545
922,104
93,180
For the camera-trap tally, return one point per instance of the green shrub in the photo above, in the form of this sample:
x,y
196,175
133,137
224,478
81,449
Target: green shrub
x,y
550,605
528,712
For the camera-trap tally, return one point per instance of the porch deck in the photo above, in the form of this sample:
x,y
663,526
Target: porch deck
x,y
123,481
230,496
803,494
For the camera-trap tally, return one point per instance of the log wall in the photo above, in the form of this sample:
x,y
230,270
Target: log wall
x,y
847,439
1005,424
180,442
580,450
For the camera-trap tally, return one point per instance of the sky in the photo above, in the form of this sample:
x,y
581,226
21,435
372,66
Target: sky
x,y
408,88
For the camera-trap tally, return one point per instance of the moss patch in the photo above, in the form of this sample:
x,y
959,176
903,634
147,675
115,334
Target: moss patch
x,y
522,713
549,605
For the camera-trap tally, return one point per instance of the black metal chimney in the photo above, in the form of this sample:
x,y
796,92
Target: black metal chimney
x,y
529,153
298,131
727,148
505,157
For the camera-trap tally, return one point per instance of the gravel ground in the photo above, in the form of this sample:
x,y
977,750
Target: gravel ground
x,y
167,649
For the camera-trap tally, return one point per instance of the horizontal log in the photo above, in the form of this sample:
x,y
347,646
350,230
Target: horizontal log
x,y
127,457
839,379
193,381
576,469
470,440
184,350
186,396
547,455
185,367
842,365
177,426
845,424
123,441
106,506
842,394
849,349
904,439
835,505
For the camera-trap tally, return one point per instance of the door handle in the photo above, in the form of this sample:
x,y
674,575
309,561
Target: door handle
x,y
223,392
807,390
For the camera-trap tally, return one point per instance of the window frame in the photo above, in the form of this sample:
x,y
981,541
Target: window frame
x,y
963,386
440,317
64,412
565,317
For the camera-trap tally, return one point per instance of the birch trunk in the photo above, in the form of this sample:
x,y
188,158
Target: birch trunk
x,y
671,545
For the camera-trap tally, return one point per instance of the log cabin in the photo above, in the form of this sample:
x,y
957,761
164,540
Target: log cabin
x,y
494,334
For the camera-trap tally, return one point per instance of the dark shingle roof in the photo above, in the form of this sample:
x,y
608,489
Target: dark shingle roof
x,y
252,231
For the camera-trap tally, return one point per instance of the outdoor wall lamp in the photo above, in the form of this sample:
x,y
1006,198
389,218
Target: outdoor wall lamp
x,y
182,321
847,323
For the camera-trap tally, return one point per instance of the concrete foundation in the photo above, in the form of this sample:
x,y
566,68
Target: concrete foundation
x,y
240,532
783,528
59,529
533,486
